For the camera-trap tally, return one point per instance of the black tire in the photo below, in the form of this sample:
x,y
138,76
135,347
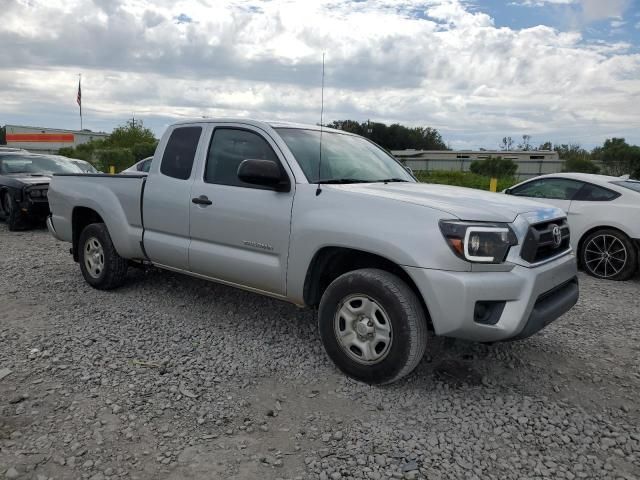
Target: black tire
x,y
112,270
399,304
621,262
10,212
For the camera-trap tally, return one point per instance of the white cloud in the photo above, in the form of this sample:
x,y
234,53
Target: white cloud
x,y
590,10
428,62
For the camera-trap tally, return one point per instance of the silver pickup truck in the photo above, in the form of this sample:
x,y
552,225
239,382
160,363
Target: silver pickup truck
x,y
326,219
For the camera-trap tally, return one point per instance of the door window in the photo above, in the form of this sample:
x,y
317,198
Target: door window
x,y
177,160
552,188
594,193
229,147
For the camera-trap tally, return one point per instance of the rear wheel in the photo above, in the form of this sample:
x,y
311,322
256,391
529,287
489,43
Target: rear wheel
x,y
609,254
372,326
100,264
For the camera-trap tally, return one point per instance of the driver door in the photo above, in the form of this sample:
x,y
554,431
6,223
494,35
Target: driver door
x,y
239,231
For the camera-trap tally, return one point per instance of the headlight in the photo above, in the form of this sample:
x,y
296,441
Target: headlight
x,y
478,242
38,192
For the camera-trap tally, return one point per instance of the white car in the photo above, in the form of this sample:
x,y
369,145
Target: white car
x,y
140,167
604,218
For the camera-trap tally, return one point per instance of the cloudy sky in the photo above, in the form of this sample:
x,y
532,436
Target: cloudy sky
x,y
561,70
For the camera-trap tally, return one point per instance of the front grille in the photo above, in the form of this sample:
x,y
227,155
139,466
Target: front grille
x,y
540,242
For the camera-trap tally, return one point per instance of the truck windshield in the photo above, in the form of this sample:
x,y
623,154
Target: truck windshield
x,y
35,165
345,158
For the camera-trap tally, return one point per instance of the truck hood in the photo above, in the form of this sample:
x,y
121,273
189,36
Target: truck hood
x,y
460,202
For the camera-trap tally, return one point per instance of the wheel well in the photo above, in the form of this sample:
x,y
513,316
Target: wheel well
x,y
81,217
331,262
595,229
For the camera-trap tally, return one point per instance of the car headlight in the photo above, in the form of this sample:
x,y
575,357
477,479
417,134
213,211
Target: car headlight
x,y
478,242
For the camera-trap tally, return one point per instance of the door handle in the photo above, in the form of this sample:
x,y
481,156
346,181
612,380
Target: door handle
x,y
202,200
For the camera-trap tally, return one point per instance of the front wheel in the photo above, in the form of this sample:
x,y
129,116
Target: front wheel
x,y
100,264
9,211
609,254
372,326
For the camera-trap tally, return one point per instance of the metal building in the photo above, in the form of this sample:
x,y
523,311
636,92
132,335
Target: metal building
x,y
47,140
530,163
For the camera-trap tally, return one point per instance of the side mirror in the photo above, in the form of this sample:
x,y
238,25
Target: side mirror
x,y
409,169
263,172
507,191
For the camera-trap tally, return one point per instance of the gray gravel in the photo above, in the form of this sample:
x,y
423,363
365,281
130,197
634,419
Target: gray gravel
x,y
171,378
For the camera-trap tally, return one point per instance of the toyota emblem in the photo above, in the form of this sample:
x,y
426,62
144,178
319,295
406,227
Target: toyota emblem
x,y
557,236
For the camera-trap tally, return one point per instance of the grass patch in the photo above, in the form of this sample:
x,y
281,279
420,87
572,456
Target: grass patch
x,y
462,179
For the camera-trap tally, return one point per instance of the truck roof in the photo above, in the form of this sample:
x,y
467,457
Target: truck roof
x,y
261,123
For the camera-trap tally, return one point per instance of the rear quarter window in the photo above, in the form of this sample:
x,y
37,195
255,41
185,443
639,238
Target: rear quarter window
x,y
594,193
630,184
177,160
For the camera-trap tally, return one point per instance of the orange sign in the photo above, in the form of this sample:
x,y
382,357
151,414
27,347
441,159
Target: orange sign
x,y
40,137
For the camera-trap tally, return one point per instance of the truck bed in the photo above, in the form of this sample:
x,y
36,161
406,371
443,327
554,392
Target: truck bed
x,y
115,198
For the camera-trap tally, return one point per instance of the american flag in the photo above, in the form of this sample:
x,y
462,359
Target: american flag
x,y
79,99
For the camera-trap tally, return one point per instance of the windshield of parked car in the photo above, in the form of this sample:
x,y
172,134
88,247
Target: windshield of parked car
x,y
630,184
35,165
345,158
86,167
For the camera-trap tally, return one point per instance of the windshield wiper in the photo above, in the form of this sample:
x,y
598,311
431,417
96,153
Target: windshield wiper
x,y
390,180
343,180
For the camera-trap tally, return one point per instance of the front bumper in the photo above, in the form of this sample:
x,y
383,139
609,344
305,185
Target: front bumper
x,y
531,298
33,209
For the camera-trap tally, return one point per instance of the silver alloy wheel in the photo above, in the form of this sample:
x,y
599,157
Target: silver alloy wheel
x,y
363,329
605,256
94,257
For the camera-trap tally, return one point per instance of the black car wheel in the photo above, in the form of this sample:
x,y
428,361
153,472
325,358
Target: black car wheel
x,y
372,326
100,264
609,254
10,211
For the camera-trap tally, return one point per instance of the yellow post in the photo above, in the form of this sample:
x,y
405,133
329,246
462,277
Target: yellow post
x,y
112,170
493,184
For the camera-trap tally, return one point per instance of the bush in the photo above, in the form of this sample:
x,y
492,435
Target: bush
x,y
580,165
120,158
143,150
463,179
494,167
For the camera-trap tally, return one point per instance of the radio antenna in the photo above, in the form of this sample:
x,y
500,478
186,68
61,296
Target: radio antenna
x,y
319,190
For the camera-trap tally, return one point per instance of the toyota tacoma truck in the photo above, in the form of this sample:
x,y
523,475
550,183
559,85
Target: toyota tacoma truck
x,y
326,219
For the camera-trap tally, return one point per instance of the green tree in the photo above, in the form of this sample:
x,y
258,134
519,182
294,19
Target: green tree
x,y
619,158
507,143
580,165
130,134
126,145
118,157
576,159
525,146
395,136
494,167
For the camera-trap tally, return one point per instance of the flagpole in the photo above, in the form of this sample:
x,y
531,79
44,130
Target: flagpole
x,y
80,98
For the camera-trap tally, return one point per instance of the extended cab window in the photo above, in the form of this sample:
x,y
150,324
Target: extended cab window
x,y
229,147
180,152
554,188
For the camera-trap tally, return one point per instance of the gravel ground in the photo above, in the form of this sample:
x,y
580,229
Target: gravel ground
x,y
175,378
